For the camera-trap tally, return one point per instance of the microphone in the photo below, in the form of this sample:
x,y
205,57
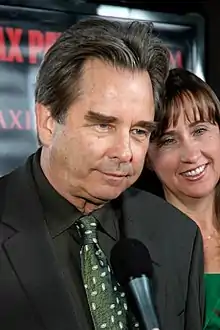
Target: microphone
x,y
132,266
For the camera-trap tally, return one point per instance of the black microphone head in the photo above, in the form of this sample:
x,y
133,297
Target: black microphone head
x,y
129,259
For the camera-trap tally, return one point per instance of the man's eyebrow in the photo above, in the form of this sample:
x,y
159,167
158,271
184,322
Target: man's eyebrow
x,y
150,126
98,117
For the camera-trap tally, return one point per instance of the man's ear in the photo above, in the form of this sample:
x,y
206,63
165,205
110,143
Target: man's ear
x,y
45,124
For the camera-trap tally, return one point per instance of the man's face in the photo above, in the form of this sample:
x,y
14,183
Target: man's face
x,y
100,149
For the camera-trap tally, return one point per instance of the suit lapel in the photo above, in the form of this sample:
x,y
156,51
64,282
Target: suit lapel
x,y
138,225
31,254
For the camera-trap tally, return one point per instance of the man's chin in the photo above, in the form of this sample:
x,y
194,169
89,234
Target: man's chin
x,y
109,189
106,195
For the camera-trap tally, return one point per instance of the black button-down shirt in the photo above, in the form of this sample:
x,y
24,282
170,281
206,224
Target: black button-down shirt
x,y
60,217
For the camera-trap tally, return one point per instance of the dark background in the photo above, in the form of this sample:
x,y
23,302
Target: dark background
x,y
210,10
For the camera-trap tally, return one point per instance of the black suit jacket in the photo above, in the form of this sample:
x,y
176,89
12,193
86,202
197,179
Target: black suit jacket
x,y
32,292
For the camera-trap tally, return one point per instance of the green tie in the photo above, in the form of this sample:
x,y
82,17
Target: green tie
x,y
106,300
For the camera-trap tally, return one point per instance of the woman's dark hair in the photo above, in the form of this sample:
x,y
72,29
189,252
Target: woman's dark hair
x,y
185,91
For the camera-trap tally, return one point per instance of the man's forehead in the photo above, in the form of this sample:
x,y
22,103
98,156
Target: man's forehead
x,y
98,68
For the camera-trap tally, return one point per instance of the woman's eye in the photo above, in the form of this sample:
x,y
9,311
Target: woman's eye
x,y
167,141
200,131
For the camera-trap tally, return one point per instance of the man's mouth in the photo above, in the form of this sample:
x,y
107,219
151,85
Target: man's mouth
x,y
117,175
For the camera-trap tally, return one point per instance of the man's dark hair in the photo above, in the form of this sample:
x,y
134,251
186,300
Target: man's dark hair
x,y
126,45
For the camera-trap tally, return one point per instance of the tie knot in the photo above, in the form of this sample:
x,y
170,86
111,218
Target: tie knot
x,y
87,227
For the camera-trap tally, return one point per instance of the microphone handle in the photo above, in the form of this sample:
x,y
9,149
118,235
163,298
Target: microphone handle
x,y
140,290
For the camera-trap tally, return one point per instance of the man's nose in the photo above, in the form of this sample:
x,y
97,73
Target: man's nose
x,y
123,150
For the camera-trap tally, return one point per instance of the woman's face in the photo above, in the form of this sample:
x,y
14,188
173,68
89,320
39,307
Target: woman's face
x,y
187,157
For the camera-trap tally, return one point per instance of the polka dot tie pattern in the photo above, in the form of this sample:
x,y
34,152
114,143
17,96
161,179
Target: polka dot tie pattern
x,y
106,300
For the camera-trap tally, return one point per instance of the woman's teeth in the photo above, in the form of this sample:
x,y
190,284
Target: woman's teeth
x,y
195,172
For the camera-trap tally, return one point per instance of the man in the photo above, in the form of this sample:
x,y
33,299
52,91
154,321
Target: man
x,y
96,95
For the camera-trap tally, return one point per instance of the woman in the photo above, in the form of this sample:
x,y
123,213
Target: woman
x,y
185,155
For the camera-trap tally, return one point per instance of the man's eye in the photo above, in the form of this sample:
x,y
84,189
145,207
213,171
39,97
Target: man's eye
x,y
103,127
140,132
